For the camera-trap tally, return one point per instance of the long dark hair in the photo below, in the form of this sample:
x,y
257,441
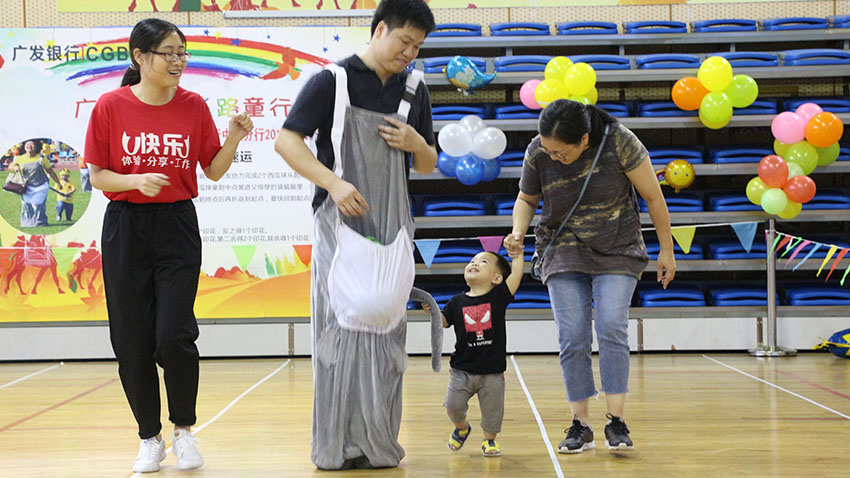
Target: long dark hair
x,y
567,121
400,13
146,36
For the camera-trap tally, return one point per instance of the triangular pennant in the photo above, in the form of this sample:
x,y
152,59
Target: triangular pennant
x,y
775,241
491,243
64,258
305,253
817,246
845,274
797,251
832,249
427,249
746,232
244,254
791,245
837,260
684,236
785,239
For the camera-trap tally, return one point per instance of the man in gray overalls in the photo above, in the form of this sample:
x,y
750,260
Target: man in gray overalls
x,y
368,115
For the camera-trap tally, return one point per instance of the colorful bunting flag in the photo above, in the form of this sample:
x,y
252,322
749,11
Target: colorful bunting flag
x,y
832,249
746,232
835,263
684,237
491,243
427,249
244,254
64,258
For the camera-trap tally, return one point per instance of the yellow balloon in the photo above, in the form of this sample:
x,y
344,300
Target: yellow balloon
x,y
713,125
592,95
580,78
791,210
550,90
679,174
557,68
715,73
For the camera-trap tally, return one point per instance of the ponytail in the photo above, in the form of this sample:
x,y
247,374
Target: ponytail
x,y
131,76
598,119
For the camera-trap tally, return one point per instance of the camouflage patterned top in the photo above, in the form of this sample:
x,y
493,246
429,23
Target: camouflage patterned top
x,y
603,235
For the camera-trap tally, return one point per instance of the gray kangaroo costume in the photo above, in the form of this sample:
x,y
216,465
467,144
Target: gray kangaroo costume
x,y
359,298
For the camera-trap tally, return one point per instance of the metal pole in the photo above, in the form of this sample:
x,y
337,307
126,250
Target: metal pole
x,y
771,349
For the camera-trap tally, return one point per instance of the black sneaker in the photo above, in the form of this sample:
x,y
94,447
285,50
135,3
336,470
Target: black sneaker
x,y
617,434
579,438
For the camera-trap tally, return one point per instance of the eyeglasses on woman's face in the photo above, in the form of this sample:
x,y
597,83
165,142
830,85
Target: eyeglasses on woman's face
x,y
566,155
169,56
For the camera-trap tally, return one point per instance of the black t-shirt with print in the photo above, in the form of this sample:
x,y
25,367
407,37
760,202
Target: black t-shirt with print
x,y
479,324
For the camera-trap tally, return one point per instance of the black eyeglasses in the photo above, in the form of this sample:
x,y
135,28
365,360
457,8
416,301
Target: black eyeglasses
x,y
184,56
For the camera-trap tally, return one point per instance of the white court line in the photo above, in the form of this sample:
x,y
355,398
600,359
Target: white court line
x,y
778,387
552,455
32,375
230,405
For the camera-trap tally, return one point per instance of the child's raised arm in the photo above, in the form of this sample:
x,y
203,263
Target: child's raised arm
x,y
515,277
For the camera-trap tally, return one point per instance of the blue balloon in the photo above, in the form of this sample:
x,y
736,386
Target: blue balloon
x,y
462,73
492,167
447,164
470,169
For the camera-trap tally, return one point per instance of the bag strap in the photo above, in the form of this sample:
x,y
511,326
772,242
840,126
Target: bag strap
x,y
580,194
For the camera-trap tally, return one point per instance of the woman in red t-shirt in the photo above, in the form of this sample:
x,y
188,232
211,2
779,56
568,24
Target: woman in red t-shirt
x,y
143,145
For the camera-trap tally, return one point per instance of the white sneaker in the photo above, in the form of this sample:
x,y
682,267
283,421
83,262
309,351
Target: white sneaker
x,y
151,452
186,450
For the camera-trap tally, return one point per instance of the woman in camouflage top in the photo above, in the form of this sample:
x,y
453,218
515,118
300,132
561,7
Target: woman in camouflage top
x,y
598,256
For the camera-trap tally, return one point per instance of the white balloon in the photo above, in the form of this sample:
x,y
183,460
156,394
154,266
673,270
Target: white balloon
x,y
473,124
489,143
455,140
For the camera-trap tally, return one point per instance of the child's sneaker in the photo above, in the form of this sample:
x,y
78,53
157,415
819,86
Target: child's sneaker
x,y
617,434
459,437
579,438
186,450
491,448
151,453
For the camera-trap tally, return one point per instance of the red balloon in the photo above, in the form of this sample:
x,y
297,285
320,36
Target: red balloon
x,y
773,171
800,189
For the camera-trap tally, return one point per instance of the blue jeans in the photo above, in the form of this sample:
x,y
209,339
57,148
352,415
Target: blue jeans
x,y
571,294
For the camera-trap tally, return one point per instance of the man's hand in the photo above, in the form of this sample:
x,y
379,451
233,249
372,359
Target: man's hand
x,y
400,135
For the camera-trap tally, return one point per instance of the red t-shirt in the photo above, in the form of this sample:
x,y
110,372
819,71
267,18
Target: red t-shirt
x,y
128,136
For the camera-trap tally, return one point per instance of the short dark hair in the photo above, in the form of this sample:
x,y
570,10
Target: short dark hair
x,y
502,263
400,13
567,121
146,36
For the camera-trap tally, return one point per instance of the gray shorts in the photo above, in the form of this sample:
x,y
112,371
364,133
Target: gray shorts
x,y
491,397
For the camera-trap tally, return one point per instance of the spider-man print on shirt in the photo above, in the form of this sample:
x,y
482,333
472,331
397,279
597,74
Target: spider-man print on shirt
x,y
477,319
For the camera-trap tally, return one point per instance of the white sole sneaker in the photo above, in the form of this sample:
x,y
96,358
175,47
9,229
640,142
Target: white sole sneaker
x,y
587,446
147,462
620,447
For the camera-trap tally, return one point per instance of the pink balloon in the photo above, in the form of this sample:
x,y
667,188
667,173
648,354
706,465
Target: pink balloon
x,y
526,94
807,110
788,127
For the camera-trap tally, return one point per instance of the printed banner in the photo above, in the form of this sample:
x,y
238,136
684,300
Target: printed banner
x,y
256,222
319,7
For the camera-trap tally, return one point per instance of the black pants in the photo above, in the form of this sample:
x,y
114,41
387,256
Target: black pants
x,y
151,264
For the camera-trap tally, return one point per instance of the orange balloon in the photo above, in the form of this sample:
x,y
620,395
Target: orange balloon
x,y
688,93
824,129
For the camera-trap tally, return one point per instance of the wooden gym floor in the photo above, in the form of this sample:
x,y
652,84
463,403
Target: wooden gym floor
x,y
689,414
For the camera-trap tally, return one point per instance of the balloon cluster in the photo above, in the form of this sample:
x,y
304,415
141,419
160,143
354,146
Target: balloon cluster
x,y
470,150
463,74
562,79
805,139
714,91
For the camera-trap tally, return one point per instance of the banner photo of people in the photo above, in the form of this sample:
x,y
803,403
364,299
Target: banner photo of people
x,y
319,7
255,222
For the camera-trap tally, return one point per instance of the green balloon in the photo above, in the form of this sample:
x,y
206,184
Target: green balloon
x,y
794,169
715,107
742,91
803,154
780,148
828,155
774,200
755,189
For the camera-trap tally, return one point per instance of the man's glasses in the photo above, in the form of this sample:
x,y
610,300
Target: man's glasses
x,y
184,56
